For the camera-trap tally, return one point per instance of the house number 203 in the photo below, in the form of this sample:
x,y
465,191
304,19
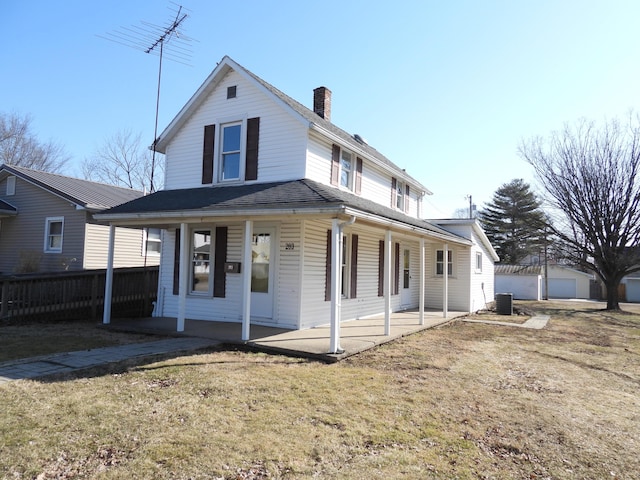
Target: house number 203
x,y
289,246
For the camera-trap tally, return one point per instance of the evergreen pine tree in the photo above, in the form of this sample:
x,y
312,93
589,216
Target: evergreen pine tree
x,y
514,222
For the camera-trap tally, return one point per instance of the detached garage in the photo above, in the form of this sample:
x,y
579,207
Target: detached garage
x,y
523,281
566,282
632,284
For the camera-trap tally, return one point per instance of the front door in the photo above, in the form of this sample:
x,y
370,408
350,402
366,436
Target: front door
x,y
262,272
405,279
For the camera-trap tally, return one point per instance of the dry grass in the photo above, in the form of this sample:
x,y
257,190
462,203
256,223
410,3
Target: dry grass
x,y
33,339
464,401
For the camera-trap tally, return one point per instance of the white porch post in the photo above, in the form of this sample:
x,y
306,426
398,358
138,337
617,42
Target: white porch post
x,y
387,283
336,286
246,280
445,280
108,284
422,273
185,266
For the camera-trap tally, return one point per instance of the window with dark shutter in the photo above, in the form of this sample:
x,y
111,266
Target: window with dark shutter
x,y
335,165
207,154
394,192
353,293
327,273
381,268
358,185
220,257
396,279
253,134
176,264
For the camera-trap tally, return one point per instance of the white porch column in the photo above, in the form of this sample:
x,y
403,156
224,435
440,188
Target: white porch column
x,y
445,280
336,286
108,284
185,266
387,282
422,273
246,280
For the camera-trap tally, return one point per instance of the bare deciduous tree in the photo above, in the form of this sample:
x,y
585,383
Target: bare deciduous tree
x,y
20,147
590,175
122,161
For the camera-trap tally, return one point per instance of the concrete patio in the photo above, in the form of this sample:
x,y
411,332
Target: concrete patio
x,y
355,336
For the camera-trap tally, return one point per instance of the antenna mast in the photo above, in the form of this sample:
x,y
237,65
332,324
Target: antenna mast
x,y
152,39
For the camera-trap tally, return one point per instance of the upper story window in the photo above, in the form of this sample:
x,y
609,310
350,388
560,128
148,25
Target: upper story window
x,y
53,231
479,262
346,178
230,152
11,185
231,92
400,196
346,169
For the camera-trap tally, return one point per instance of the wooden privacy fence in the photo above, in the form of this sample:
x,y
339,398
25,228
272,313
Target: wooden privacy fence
x,y
73,295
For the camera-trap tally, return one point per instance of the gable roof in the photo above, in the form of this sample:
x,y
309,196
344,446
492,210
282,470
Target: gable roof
x,y
475,226
295,196
89,195
6,209
306,115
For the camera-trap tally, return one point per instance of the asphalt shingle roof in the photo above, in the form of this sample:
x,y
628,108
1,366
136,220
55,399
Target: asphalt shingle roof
x,y
500,269
91,195
292,195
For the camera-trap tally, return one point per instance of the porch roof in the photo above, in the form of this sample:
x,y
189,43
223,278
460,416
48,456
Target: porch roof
x,y
7,210
288,197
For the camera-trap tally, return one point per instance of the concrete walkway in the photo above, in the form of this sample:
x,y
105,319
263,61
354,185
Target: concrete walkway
x,y
355,336
44,365
538,322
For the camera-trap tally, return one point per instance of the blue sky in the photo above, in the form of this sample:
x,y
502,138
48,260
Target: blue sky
x,y
446,90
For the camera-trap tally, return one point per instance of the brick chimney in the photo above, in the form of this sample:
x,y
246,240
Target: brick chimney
x,y
322,102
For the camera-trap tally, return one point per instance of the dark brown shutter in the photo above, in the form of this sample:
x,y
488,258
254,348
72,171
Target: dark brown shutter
x,y
396,280
354,267
220,256
335,165
176,265
207,153
358,186
381,268
253,134
394,185
406,198
327,276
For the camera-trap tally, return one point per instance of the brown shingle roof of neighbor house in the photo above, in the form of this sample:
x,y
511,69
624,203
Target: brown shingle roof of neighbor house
x,y
293,195
517,269
90,195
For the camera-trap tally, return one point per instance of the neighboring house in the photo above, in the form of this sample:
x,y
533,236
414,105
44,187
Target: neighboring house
x,y
274,216
523,281
47,225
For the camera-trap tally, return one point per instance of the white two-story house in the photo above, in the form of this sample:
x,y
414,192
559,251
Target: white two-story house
x,y
272,215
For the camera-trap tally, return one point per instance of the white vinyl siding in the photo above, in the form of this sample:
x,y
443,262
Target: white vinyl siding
x,y
288,280
128,248
282,140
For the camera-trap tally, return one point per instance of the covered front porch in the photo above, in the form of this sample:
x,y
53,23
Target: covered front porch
x,y
356,335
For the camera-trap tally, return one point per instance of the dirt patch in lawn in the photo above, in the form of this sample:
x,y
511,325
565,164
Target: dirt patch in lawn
x,y
467,401
30,339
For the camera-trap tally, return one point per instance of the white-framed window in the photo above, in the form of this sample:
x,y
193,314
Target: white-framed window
x,y
152,238
346,169
400,196
11,185
53,232
440,262
479,262
230,152
200,275
345,270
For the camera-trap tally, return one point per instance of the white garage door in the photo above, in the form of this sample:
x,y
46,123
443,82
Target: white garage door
x,y
633,290
562,288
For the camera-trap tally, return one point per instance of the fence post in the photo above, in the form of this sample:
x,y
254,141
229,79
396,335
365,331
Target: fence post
x,y
5,299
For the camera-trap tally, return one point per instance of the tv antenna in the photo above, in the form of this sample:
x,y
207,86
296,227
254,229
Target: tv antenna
x,y
154,39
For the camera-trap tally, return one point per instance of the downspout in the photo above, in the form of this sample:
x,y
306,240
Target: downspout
x,y
336,282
